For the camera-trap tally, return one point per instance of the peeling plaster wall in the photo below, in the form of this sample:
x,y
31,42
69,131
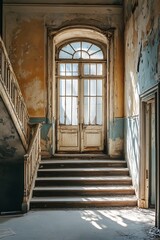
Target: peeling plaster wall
x,y
11,164
11,148
142,31
25,41
25,34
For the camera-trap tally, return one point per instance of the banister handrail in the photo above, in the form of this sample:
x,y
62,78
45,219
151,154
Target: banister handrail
x,y
12,92
14,101
31,162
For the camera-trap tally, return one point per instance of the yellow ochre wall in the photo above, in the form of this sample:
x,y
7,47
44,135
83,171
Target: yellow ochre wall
x,y
25,35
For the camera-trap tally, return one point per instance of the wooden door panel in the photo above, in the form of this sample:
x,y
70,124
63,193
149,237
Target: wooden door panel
x,y
93,140
68,139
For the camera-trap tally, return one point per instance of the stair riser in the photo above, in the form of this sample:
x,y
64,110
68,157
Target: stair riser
x,y
82,174
79,183
87,193
81,165
82,157
96,204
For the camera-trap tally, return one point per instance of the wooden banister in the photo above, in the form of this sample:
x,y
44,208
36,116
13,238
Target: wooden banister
x,y
31,163
12,94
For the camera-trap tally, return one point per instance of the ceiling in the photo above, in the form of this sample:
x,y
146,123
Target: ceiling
x,y
87,2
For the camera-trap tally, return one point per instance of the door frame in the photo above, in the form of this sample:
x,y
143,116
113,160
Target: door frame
x,y
57,36
143,202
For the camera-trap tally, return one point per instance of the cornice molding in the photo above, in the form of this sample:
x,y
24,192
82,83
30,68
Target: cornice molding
x,y
55,8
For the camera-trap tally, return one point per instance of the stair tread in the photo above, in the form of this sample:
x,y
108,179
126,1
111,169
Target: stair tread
x,y
85,188
81,180
85,199
82,169
81,161
80,155
86,178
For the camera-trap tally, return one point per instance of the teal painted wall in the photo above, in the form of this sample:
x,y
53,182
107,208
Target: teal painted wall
x,y
116,129
142,44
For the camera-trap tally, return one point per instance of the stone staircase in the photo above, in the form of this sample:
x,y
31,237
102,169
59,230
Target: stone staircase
x,y
75,181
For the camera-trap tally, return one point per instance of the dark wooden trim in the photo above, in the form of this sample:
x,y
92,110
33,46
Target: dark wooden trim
x,y
155,91
1,18
157,215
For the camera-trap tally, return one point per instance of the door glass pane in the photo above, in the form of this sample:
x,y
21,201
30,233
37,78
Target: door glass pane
x,y
98,55
68,69
93,70
62,69
68,48
93,49
76,46
74,111
99,87
99,69
92,87
86,110
85,55
86,46
62,87
75,69
75,87
62,110
86,87
77,55
68,111
93,110
68,87
63,54
86,69
99,111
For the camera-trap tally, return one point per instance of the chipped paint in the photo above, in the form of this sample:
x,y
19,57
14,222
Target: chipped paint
x,y
116,147
11,163
11,149
27,56
46,133
26,33
116,137
142,31
117,129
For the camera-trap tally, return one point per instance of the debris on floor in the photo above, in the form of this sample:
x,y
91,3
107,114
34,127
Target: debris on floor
x,y
155,232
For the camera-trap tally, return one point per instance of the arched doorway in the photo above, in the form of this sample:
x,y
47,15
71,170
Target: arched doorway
x,y
79,90
80,96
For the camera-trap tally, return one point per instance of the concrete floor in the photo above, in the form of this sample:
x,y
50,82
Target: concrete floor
x,y
89,224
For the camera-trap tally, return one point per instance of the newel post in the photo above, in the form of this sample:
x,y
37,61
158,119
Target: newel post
x,y
25,206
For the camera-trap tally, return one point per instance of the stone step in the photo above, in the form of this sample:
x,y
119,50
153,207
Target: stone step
x,y
81,163
78,156
82,191
80,202
82,172
83,181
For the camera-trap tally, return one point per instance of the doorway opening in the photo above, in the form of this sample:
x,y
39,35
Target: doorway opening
x,y
150,141
80,66
81,76
149,152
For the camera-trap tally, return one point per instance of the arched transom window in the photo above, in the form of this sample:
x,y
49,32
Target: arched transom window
x,y
81,50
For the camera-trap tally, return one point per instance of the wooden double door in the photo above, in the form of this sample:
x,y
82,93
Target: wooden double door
x,y
80,106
